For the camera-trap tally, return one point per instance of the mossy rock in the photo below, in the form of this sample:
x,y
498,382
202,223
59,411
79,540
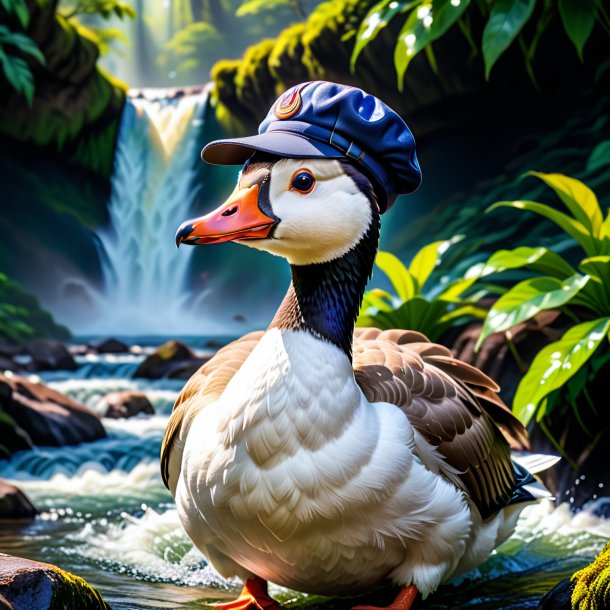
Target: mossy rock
x,y
587,589
32,585
76,107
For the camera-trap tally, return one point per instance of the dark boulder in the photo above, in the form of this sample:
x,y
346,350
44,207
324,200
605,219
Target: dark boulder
x,y
29,585
14,504
42,416
48,355
109,346
119,405
172,359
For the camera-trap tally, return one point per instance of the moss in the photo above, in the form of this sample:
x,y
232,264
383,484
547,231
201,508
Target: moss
x,y
592,584
21,316
76,107
71,591
319,48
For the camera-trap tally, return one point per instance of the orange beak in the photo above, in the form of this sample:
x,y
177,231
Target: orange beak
x,y
238,218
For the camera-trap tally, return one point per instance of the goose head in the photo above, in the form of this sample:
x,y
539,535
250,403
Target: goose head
x,y
308,211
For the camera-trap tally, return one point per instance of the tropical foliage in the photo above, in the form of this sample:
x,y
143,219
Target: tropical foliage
x,y
16,48
21,316
104,37
425,21
561,371
415,304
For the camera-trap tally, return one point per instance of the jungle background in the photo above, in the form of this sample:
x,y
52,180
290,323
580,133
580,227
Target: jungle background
x,y
503,253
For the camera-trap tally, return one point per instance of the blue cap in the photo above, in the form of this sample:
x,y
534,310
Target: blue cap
x,y
320,119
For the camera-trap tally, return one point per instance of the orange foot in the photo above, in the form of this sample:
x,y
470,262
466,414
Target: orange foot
x,y
403,601
254,596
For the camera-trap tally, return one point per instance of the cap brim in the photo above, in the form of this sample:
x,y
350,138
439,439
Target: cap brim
x,y
282,143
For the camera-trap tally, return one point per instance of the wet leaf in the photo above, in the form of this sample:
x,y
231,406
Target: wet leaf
x,y
578,17
577,197
425,260
537,259
423,26
506,20
556,364
572,227
398,274
377,18
528,298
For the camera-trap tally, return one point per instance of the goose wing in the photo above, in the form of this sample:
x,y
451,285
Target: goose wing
x,y
464,429
203,388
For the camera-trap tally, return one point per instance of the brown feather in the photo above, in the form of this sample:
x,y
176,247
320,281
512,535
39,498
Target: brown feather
x,y
451,404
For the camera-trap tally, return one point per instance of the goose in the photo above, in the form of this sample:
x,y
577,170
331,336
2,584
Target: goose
x,y
317,456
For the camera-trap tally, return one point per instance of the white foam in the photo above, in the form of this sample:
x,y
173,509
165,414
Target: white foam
x,y
153,547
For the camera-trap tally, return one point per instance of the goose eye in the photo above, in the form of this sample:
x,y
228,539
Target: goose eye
x,y
302,182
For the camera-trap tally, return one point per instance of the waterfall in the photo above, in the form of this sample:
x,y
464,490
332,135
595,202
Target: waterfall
x,y
153,188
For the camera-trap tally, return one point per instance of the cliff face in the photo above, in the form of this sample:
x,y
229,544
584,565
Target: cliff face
x,y
76,107
56,157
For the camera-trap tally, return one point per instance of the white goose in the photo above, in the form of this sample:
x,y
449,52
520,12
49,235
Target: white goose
x,y
324,460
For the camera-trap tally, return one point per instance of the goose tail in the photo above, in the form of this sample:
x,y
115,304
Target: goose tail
x,y
529,487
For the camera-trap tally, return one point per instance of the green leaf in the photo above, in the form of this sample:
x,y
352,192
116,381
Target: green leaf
x,y
17,8
537,259
425,260
376,299
376,19
578,17
556,363
398,274
571,226
455,288
416,314
506,20
599,157
254,7
528,298
597,292
423,26
18,74
22,42
577,197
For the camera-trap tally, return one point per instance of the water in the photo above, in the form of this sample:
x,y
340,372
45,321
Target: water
x,y
154,186
107,517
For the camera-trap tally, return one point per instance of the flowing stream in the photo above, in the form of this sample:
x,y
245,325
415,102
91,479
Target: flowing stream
x,y
107,517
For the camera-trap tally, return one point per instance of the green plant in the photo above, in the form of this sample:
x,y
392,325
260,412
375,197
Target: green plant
x,y
21,316
15,68
415,307
428,20
104,38
561,370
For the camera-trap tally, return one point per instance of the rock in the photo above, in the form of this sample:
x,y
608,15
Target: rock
x,y
14,504
118,405
48,355
32,585
586,589
109,346
214,344
42,416
173,359
187,368
6,364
